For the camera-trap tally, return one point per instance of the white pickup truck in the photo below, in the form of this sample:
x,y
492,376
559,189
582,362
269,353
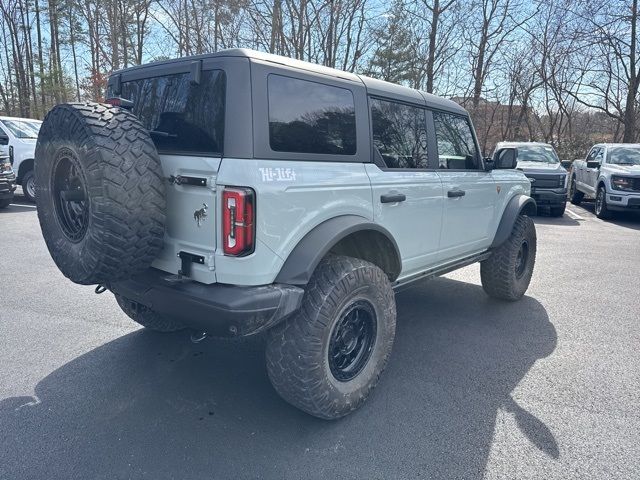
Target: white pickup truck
x,y
611,175
18,138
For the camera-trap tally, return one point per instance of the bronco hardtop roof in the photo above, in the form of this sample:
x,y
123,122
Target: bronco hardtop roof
x,y
373,86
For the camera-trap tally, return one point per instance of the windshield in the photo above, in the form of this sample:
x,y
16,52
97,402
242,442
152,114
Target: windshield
x,y
23,128
624,155
537,153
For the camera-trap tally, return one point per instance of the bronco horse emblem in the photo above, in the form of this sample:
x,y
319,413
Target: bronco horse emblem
x,y
200,214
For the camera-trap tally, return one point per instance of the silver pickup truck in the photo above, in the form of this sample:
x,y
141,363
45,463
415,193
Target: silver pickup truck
x,y
611,175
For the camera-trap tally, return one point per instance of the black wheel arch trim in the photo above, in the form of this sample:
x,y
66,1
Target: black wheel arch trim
x,y
313,247
518,205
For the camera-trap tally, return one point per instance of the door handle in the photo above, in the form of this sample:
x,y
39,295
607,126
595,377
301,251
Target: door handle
x,y
392,197
455,193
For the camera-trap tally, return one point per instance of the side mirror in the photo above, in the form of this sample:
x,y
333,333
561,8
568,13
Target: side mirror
x,y
4,139
566,164
593,164
505,159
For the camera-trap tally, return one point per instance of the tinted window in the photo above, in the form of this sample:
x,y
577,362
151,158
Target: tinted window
x,y
181,116
456,146
399,134
310,117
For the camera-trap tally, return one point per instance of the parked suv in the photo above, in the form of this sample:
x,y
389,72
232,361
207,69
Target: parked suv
x,y
18,136
611,175
543,168
7,181
240,192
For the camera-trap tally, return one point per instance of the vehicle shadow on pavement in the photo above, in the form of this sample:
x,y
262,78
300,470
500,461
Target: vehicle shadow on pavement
x,y
157,406
564,221
627,219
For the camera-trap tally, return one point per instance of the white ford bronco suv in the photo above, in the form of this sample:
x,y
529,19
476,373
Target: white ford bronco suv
x,y
241,192
611,175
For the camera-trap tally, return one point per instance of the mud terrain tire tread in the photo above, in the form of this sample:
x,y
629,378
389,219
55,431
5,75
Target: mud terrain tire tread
x,y
498,272
296,348
124,184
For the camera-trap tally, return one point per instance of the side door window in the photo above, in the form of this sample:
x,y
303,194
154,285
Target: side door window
x,y
469,193
407,195
456,144
399,134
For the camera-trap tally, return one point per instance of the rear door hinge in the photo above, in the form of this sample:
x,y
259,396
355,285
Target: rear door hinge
x,y
184,180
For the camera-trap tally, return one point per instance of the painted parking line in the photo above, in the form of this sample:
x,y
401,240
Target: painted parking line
x,y
574,215
22,205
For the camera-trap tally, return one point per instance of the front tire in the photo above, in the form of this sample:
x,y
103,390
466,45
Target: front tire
x,y
29,186
602,211
506,274
327,358
575,195
147,317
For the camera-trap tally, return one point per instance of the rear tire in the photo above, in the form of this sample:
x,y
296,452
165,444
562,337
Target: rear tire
x,y
100,192
29,186
506,274
147,317
601,209
327,358
575,195
557,211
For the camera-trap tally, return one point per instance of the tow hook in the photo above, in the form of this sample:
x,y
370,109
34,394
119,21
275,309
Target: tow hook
x,y
197,337
100,288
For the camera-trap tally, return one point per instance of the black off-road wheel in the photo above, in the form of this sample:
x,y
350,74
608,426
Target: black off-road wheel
x,y
575,195
327,358
601,209
557,211
99,191
506,274
147,317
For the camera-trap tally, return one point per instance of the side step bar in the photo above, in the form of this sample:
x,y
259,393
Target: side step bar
x,y
441,270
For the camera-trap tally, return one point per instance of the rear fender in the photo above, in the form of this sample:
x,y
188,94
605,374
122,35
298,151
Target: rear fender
x,y
308,253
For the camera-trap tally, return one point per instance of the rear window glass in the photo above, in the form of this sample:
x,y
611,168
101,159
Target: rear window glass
x,y
310,117
181,117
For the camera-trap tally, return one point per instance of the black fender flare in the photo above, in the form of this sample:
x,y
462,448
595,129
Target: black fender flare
x,y
306,255
520,204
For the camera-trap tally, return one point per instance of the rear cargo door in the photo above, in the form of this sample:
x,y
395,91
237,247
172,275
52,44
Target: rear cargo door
x,y
184,111
190,234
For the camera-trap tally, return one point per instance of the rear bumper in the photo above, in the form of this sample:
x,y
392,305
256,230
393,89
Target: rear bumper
x,y
623,201
218,309
549,197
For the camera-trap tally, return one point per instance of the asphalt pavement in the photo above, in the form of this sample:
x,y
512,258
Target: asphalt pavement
x,y
544,388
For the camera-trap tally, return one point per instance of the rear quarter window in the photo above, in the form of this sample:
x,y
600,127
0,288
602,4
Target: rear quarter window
x,y
310,117
181,117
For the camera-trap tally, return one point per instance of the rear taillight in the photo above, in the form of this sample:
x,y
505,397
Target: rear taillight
x,y
238,220
120,102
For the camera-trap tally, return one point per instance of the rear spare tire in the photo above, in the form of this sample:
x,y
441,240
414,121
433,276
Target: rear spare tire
x,y
99,191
